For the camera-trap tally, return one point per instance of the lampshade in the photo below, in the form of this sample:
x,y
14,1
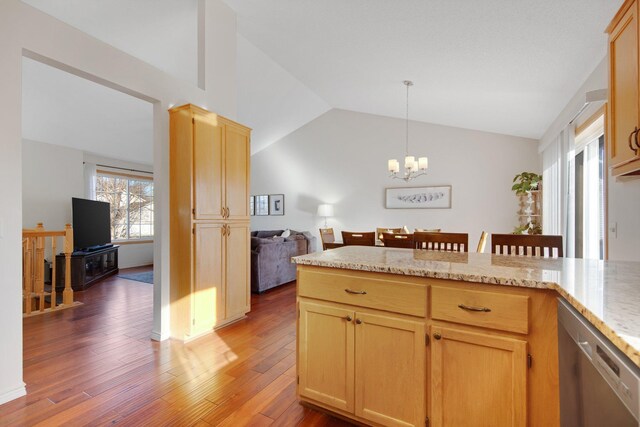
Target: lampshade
x,y
325,210
413,167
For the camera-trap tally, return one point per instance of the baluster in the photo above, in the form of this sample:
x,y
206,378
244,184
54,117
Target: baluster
x,y
39,267
25,245
54,301
28,275
67,294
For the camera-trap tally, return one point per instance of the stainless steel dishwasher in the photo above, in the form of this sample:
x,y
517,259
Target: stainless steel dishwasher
x,y
599,386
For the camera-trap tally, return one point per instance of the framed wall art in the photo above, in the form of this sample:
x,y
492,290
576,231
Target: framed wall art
x,y
419,198
262,205
276,204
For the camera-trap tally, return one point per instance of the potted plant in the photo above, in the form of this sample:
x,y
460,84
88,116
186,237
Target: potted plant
x,y
530,228
525,182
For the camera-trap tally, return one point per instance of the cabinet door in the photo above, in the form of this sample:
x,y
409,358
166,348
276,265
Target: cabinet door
x,y
237,172
207,296
623,81
237,270
326,354
207,169
390,370
477,379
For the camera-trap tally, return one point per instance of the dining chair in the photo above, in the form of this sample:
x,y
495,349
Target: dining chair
x,y
380,231
540,245
359,238
398,240
482,242
451,242
326,236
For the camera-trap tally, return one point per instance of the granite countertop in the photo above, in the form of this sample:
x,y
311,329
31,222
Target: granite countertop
x,y
607,293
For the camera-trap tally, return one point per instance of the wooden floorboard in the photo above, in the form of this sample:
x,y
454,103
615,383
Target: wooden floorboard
x,y
95,365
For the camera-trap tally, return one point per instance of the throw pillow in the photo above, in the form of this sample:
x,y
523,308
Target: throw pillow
x,y
286,233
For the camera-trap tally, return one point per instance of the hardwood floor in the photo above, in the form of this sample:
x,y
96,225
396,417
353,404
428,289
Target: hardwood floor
x,y
95,365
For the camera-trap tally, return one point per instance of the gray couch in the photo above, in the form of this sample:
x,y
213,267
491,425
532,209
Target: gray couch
x,y
271,257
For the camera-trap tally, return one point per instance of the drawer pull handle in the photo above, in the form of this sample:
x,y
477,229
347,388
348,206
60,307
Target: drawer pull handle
x,y
470,308
437,335
358,321
348,318
349,291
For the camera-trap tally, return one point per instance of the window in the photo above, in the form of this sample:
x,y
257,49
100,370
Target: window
x,y
587,181
131,200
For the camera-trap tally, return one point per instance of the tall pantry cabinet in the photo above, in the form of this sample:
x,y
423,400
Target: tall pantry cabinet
x,y
210,244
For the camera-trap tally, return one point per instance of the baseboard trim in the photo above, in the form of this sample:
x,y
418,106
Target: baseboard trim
x,y
157,336
13,394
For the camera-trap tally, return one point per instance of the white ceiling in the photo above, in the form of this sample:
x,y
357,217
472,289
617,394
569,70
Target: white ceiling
x,y
503,66
163,33
63,109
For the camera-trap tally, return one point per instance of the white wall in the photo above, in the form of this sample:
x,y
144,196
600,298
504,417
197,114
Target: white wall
x,y
623,193
51,176
30,32
270,99
341,158
624,205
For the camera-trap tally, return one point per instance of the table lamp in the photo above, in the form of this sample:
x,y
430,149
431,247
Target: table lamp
x,y
325,211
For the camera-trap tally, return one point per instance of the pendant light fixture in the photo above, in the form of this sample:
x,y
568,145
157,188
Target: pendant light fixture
x,y
412,168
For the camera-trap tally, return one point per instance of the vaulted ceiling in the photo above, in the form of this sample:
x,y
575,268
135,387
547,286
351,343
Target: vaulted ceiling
x,y
503,66
496,65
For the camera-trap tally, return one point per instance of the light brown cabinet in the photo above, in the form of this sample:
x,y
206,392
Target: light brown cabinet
x,y
210,243
389,369
220,168
237,269
326,354
624,97
477,379
208,282
494,355
489,357
366,364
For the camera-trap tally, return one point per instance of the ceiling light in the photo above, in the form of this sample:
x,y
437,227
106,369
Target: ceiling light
x,y
412,168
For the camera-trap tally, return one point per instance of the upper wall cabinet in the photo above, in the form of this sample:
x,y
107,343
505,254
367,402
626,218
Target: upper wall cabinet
x,y
236,170
624,99
220,167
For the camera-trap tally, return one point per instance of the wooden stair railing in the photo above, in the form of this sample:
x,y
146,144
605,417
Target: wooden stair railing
x,y
34,292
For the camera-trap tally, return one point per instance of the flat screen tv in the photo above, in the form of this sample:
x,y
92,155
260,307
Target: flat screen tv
x,y
91,224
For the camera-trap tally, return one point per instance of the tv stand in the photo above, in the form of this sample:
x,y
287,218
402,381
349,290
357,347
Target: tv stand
x,y
92,249
88,268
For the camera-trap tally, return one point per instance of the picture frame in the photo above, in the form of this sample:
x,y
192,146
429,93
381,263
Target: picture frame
x,y
428,197
252,205
276,204
262,205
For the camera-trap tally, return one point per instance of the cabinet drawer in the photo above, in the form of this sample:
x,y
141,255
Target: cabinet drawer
x,y
388,295
506,312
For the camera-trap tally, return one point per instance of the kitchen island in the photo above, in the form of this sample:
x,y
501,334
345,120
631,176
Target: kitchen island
x,y
404,337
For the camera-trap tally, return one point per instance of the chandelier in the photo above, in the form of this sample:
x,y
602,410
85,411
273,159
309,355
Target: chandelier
x,y
412,168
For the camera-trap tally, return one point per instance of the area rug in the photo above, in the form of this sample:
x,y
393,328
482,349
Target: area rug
x,y
146,277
